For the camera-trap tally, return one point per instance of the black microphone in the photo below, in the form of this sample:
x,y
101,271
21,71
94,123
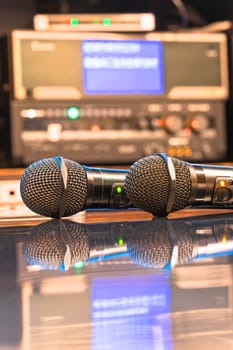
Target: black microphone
x,y
58,187
160,184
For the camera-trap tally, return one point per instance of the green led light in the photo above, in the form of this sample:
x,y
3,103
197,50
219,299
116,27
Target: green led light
x,y
74,22
73,113
120,241
119,189
107,21
79,264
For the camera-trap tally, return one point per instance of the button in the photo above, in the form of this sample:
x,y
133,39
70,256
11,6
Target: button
x,y
222,194
54,132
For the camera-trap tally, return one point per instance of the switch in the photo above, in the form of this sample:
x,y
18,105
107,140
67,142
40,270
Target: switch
x,y
222,194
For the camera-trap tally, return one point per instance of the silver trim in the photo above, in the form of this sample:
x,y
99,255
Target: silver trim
x,y
172,175
64,237
174,258
64,173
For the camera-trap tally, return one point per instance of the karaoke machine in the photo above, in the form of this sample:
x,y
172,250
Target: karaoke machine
x,y
111,98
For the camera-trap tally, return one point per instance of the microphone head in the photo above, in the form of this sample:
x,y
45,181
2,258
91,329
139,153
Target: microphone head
x,y
48,242
41,187
148,185
154,248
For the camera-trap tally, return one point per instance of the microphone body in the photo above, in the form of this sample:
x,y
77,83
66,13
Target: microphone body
x,y
105,188
168,184
58,187
212,184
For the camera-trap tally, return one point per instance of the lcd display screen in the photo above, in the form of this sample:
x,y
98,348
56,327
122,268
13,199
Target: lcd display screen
x,y
122,67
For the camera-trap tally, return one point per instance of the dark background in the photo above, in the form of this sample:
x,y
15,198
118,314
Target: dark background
x,y
18,14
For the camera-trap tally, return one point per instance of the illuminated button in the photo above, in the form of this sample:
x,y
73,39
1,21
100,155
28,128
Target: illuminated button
x,y
31,113
171,151
120,241
107,21
157,123
118,189
79,264
74,22
54,132
179,151
73,113
95,128
186,132
224,238
187,151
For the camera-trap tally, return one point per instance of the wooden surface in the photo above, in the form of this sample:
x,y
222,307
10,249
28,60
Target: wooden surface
x,y
110,216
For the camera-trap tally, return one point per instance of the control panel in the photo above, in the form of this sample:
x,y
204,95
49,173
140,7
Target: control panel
x,y
108,98
120,132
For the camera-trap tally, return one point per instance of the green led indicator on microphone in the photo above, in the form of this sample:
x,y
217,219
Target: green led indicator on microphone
x,y
119,189
120,241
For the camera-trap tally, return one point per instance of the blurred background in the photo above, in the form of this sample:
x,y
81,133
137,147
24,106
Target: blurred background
x,y
20,15
189,117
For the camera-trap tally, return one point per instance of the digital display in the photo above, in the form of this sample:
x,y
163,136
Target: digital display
x,y
122,67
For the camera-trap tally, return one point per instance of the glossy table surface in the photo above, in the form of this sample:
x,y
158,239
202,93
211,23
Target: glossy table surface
x,y
117,280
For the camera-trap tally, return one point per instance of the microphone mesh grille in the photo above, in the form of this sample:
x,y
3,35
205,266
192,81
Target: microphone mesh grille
x,y
147,185
45,245
41,187
154,247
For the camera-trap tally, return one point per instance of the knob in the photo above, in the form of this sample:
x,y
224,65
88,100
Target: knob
x,y
199,123
174,123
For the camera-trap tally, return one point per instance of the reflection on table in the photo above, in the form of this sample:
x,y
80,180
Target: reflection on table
x,y
159,283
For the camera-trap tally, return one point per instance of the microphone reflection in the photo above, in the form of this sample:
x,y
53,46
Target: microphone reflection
x,y
161,243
